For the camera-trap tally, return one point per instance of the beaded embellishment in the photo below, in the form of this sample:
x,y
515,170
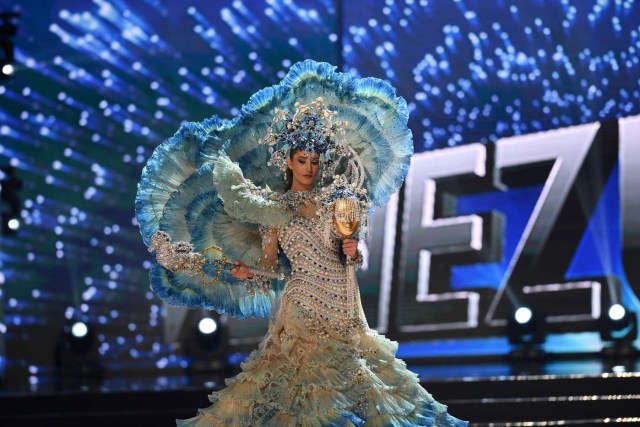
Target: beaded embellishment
x,y
318,280
295,200
180,257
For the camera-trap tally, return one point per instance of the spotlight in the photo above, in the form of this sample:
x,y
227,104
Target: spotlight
x,y
78,338
13,224
7,70
523,315
207,335
616,312
76,355
9,189
207,326
206,346
619,328
79,330
8,30
526,332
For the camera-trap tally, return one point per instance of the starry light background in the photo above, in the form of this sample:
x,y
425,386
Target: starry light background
x,y
101,83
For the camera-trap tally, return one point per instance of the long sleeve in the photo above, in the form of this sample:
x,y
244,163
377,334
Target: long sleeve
x,y
269,259
357,262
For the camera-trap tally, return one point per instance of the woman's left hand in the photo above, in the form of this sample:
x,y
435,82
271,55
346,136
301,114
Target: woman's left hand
x,y
350,248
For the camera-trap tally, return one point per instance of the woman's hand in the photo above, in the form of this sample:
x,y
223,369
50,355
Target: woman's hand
x,y
350,248
241,271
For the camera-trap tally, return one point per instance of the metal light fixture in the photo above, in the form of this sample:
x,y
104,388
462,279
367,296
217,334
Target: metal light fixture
x,y
8,30
526,333
618,329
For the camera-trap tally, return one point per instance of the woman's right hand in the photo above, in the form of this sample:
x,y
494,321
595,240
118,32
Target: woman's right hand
x,y
241,271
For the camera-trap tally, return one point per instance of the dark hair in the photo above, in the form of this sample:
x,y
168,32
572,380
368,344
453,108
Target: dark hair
x,y
288,182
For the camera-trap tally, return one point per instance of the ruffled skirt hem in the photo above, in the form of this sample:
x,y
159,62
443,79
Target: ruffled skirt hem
x,y
297,379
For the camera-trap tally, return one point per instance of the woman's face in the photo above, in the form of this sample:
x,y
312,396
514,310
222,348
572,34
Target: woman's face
x,y
305,166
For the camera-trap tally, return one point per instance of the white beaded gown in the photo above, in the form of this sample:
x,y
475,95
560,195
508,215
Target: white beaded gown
x,y
320,364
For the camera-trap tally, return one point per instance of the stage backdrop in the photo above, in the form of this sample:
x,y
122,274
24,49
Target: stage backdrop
x,y
521,191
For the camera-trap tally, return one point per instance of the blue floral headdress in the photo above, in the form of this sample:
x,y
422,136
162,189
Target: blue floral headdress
x,y
311,128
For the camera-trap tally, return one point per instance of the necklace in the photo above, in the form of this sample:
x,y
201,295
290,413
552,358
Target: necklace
x,y
295,200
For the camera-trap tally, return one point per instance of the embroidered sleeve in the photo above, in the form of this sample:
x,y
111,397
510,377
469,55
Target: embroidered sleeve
x,y
268,261
357,262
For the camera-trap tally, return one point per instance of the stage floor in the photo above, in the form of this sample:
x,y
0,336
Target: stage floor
x,y
589,392
427,372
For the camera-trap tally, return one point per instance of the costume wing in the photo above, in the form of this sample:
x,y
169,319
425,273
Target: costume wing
x,y
176,196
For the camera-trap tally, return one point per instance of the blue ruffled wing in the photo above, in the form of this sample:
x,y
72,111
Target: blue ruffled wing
x,y
178,197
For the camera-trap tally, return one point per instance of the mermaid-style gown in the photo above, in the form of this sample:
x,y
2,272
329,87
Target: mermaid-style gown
x,y
320,364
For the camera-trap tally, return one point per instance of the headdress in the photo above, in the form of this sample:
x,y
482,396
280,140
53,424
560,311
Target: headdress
x,y
310,128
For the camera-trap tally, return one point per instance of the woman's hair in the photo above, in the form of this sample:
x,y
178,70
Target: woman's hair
x,y
289,179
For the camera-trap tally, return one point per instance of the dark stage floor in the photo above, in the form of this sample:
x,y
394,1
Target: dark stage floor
x,y
567,392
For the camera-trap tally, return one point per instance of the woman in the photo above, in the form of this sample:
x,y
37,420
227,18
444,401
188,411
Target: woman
x,y
314,368
319,364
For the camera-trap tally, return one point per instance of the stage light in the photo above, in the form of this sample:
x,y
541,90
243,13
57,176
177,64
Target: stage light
x,y
206,346
79,337
618,331
8,70
208,335
207,326
79,330
8,30
526,333
76,354
14,224
10,199
616,312
523,315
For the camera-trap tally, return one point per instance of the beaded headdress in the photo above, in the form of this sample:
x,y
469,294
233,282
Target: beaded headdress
x,y
311,128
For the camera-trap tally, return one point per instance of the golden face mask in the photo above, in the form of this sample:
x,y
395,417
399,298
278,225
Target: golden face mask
x,y
346,217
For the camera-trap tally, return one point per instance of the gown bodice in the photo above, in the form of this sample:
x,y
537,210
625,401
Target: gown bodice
x,y
318,280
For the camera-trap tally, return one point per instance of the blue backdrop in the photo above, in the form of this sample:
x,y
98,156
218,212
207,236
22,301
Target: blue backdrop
x,y
99,84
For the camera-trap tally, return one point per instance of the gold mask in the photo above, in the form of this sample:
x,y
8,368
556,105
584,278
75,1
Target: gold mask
x,y
346,217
